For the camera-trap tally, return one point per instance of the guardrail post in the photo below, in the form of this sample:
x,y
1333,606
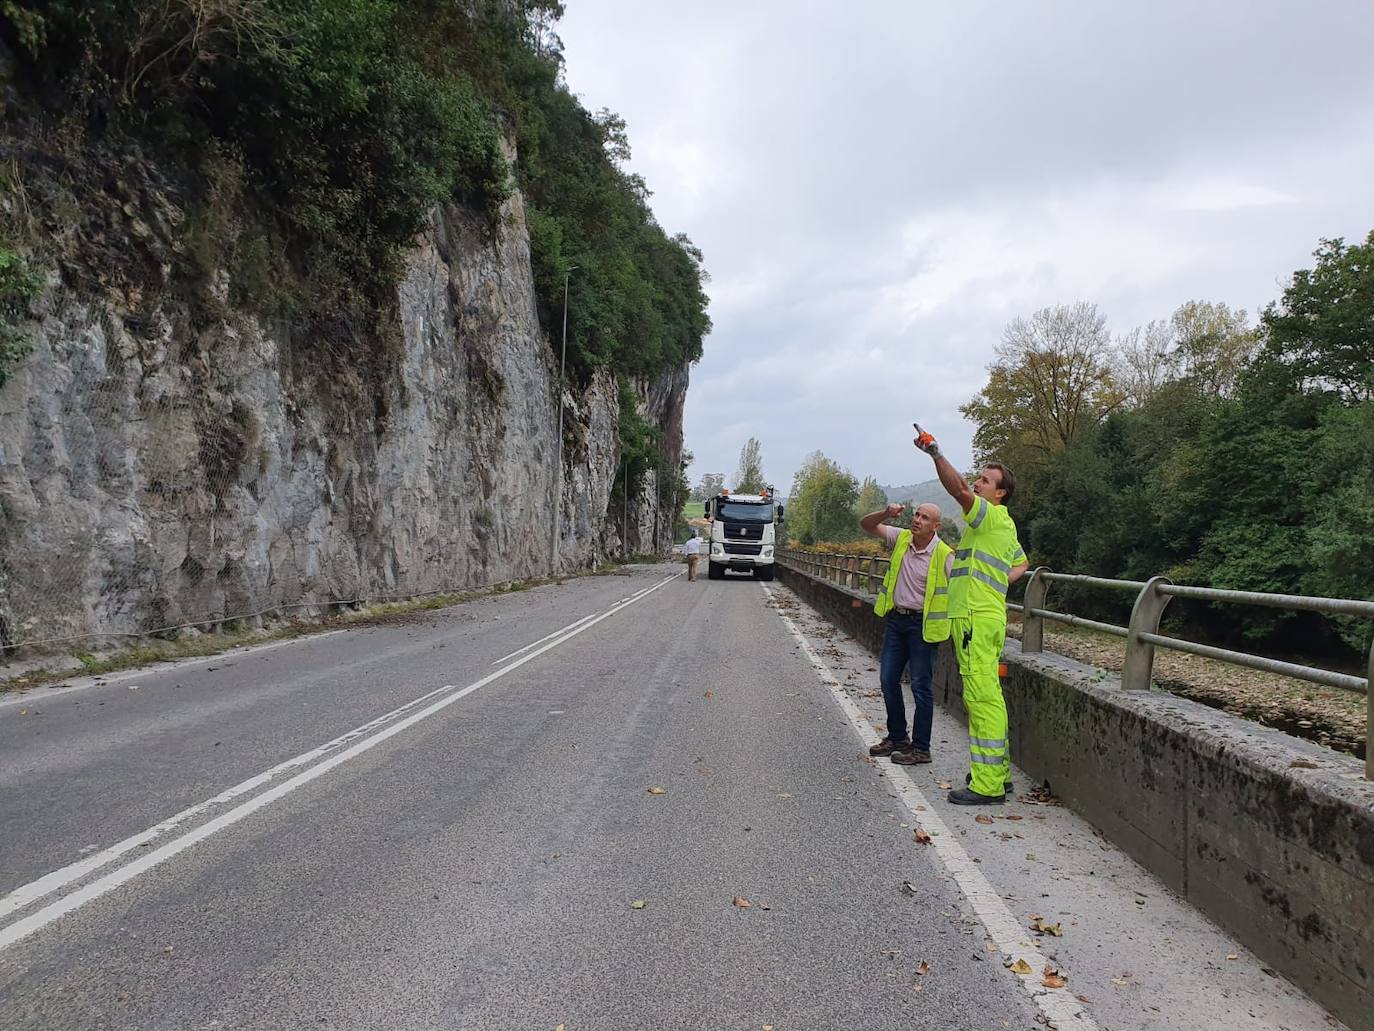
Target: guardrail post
x,y
1369,716
1033,627
1140,655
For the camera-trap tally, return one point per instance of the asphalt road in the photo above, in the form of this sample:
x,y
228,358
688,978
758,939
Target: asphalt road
x,y
446,822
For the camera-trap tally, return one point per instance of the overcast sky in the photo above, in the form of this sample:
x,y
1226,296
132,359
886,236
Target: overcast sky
x,y
880,187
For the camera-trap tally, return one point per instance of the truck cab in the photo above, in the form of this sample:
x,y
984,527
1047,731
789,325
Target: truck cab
x,y
743,534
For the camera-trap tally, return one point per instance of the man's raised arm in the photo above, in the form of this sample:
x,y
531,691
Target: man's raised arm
x,y
869,524
950,478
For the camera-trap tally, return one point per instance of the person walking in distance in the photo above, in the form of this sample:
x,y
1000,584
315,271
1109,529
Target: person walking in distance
x,y
988,560
913,602
692,549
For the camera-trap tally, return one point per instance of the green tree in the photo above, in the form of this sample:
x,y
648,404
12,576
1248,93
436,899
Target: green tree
x,y
821,504
871,497
709,487
1212,346
1323,327
749,477
1051,380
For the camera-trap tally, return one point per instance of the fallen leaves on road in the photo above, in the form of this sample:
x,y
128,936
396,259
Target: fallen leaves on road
x,y
656,790
740,902
1053,978
908,888
924,968
1233,956
943,785
1039,926
1039,796
638,904
921,836
980,818
709,694
705,771
1014,817
1020,967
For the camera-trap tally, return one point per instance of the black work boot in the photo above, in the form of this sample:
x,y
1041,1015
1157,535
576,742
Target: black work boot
x,y
967,796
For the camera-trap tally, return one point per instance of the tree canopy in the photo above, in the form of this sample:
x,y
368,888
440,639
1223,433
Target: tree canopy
x,y
821,503
319,135
1207,449
749,478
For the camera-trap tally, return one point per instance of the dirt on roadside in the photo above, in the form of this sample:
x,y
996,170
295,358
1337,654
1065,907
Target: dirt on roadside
x,y
1326,715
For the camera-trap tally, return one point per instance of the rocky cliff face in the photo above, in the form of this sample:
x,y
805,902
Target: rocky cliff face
x,y
156,470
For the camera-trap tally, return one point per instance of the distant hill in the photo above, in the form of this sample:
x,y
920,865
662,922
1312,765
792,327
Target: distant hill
x,y
919,493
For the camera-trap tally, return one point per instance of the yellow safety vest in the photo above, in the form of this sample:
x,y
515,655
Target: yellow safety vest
x,y
935,612
987,551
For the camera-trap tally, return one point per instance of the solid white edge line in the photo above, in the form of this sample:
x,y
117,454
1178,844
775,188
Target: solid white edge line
x,y
1057,1004
25,926
541,640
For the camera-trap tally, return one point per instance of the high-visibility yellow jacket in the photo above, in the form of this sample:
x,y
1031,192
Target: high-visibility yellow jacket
x,y
987,551
935,611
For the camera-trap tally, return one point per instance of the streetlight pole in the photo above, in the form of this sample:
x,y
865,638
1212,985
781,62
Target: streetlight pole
x,y
558,468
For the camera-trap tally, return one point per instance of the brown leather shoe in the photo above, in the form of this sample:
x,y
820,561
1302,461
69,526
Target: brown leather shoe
x,y
884,747
911,756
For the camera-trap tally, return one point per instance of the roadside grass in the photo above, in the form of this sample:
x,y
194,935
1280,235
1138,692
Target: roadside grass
x,y
237,634
1326,715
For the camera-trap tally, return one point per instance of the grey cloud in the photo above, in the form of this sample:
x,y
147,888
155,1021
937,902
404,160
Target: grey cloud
x,y
905,178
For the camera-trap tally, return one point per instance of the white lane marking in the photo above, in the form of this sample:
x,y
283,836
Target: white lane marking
x,y
31,695
541,640
25,926
26,894
1057,1004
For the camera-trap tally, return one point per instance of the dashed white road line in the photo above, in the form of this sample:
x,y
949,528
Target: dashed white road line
x,y
44,886
1058,1006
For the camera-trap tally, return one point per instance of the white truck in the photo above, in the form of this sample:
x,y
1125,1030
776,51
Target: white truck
x,y
743,533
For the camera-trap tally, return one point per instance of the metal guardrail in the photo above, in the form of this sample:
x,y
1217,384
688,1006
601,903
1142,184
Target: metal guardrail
x,y
866,572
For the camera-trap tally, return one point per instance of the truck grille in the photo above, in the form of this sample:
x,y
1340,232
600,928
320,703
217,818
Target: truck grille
x,y
744,531
743,549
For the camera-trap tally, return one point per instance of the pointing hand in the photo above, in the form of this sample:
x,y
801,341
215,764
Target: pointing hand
x,y
925,442
894,510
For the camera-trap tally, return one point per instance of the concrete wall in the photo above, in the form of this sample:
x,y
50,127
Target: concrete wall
x,y
1269,835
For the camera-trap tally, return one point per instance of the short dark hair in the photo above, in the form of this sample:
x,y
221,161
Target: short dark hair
x,y
1007,481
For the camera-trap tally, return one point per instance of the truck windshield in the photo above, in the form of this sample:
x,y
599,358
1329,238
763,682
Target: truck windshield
x,y
743,512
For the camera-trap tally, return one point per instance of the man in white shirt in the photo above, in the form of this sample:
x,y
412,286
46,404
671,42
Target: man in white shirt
x,y
914,626
692,549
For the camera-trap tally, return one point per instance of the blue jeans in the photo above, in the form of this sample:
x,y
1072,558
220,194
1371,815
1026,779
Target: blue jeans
x,y
905,648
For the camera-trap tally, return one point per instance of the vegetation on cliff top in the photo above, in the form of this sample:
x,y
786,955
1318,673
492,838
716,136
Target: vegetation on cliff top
x,y
319,135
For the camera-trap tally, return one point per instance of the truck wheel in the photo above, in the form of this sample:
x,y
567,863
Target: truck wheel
x,y
715,571
764,572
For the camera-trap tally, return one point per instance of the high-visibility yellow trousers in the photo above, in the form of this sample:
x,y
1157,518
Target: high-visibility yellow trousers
x,y
978,647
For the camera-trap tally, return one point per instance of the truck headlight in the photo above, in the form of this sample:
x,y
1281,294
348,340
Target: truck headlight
x,y
717,548
768,551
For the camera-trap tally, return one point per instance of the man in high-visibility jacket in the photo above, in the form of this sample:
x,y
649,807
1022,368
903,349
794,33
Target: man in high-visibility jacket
x,y
914,600
988,560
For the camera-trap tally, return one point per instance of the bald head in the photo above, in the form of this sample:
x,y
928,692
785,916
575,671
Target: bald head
x,y
924,522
